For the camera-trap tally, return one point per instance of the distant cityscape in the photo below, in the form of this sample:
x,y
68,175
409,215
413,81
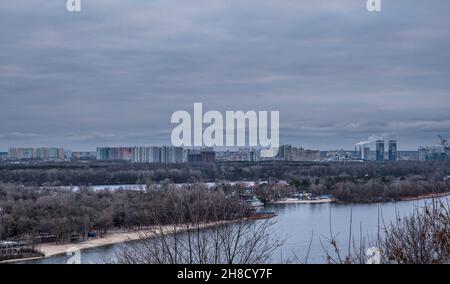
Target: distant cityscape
x,y
174,155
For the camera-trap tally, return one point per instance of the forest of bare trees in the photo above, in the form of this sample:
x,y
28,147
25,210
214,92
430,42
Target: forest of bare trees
x,y
202,232
92,173
357,190
32,212
180,219
348,182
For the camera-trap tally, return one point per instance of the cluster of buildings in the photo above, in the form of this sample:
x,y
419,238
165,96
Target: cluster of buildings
x,y
171,155
290,153
206,155
392,154
142,154
242,154
36,153
389,152
174,155
81,156
380,152
433,153
365,153
285,153
45,154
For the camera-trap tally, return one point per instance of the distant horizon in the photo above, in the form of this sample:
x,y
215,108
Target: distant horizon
x,y
219,149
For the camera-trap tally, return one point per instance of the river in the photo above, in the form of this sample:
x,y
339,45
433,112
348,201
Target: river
x,y
297,225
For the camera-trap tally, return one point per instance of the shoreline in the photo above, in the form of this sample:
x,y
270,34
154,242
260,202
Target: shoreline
x,y
425,196
118,236
299,201
113,238
53,249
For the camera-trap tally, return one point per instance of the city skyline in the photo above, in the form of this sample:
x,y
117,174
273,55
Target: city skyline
x,y
171,154
114,73
371,145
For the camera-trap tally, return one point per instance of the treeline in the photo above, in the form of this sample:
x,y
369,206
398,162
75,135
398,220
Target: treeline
x,y
126,173
61,214
357,190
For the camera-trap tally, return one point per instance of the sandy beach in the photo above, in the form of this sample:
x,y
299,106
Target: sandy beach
x,y
52,249
115,237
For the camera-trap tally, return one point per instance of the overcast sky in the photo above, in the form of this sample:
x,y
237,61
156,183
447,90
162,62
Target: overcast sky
x,y
114,73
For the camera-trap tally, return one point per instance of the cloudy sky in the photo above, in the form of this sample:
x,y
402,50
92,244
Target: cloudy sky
x,y
114,73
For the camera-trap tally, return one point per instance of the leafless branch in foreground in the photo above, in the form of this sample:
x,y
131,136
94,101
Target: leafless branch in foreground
x,y
420,238
202,231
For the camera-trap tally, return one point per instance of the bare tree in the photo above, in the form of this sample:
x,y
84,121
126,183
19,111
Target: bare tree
x,y
201,230
420,238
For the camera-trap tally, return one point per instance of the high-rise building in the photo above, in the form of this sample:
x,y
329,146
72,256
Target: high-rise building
x,y
141,154
393,150
3,156
125,153
144,154
82,155
380,150
194,156
201,156
115,153
155,155
243,154
364,153
38,153
171,155
49,153
285,153
41,153
20,153
102,153
432,154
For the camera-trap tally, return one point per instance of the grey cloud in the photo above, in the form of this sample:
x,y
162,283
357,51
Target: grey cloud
x,y
114,73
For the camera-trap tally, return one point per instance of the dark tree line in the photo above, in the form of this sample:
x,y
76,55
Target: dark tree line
x,y
127,173
29,212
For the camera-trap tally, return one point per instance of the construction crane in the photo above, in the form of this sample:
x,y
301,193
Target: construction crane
x,y
444,143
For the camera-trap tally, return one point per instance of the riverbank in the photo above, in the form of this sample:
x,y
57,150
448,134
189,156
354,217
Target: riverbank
x,y
294,226
112,238
425,196
117,237
299,201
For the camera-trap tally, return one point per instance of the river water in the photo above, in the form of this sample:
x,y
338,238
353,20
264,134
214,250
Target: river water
x,y
300,225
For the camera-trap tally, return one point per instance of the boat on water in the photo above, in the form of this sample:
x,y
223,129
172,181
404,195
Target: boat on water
x,y
255,202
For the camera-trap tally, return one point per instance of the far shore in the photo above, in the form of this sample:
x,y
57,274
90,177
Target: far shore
x,y
300,201
425,196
